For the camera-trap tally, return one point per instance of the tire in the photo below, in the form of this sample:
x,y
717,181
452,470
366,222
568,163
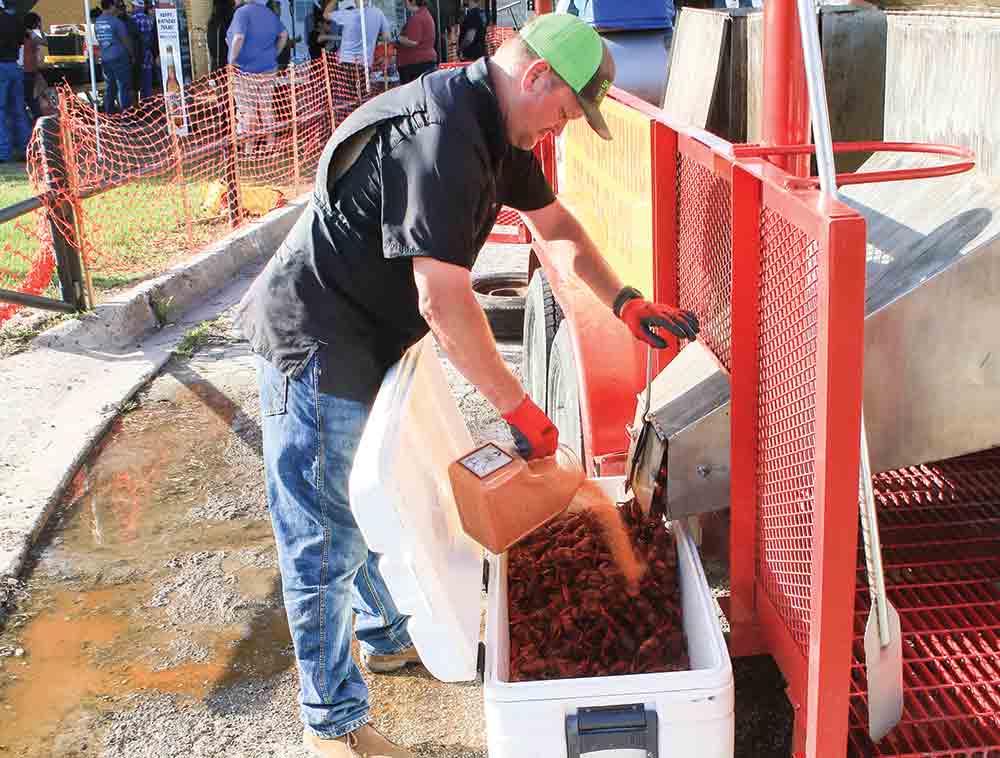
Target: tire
x,y
542,316
564,391
501,296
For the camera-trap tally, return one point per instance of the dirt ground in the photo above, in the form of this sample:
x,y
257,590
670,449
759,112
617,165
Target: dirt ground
x,y
150,625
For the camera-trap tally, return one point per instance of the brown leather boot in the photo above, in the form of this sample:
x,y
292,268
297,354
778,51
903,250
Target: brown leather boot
x,y
361,743
383,664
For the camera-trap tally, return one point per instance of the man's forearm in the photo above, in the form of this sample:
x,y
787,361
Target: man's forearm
x,y
570,250
461,329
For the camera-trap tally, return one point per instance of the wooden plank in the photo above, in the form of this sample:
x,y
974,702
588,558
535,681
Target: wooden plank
x,y
695,63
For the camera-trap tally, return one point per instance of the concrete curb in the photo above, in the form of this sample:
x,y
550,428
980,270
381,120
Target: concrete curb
x,y
62,395
122,321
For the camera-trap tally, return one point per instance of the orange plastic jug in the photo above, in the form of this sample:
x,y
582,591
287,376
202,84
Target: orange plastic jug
x,y
501,497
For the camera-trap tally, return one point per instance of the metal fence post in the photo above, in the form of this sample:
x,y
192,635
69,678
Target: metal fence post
x,y
234,205
295,126
175,144
62,217
329,90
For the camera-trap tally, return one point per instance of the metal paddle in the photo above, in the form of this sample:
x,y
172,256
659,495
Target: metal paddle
x,y
883,636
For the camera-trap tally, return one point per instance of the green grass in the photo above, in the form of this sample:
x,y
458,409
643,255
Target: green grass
x,y
15,187
138,230
213,330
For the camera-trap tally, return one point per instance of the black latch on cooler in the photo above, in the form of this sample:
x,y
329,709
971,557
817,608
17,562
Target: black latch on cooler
x,y
615,727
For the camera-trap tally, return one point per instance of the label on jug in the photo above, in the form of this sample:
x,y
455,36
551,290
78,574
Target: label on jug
x,y
486,460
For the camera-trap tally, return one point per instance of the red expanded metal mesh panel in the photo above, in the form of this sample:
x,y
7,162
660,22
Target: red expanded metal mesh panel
x,y
940,529
509,228
786,415
705,253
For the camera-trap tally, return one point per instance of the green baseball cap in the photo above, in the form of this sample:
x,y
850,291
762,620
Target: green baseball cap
x,y
577,53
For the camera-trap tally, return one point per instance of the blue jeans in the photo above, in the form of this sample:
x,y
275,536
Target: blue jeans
x,y
310,439
117,85
15,129
146,82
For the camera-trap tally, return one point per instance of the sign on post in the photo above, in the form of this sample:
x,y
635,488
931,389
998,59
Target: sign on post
x,y
172,38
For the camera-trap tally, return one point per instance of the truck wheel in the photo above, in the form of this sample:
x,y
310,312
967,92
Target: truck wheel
x,y
542,316
564,391
501,296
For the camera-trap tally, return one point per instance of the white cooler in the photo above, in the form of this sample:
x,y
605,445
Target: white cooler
x,y
401,498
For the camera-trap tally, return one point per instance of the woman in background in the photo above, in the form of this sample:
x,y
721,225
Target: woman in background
x,y
416,54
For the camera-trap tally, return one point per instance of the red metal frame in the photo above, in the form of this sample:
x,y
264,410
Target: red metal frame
x,y
839,383
816,658
867,177
745,636
778,277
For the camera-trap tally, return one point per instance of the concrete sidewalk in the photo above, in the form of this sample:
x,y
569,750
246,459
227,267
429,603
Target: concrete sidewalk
x,y
59,397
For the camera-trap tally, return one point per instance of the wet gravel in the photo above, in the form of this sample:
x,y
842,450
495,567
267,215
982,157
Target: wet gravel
x,y
204,588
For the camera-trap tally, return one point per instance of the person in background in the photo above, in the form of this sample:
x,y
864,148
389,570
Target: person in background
x,y
144,50
256,37
116,58
323,38
322,34
14,126
33,59
218,25
122,6
348,16
352,46
416,53
472,35
285,56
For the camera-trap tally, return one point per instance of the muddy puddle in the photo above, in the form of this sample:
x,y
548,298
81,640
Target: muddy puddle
x,y
157,576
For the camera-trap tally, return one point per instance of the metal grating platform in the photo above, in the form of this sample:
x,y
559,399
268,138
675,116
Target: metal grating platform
x,y
940,527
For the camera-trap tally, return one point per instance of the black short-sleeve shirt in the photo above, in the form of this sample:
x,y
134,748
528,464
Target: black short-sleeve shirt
x,y
429,182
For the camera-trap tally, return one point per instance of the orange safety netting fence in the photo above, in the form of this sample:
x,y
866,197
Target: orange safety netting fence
x,y
139,191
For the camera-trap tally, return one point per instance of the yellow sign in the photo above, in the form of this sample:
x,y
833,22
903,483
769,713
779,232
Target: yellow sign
x,y
608,187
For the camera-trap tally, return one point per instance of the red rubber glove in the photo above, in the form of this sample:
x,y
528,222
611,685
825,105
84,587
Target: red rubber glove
x,y
534,434
642,316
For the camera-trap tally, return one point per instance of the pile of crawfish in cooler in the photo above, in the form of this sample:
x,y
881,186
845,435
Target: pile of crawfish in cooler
x,y
595,593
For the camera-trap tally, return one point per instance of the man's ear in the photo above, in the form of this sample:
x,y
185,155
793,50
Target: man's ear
x,y
532,75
